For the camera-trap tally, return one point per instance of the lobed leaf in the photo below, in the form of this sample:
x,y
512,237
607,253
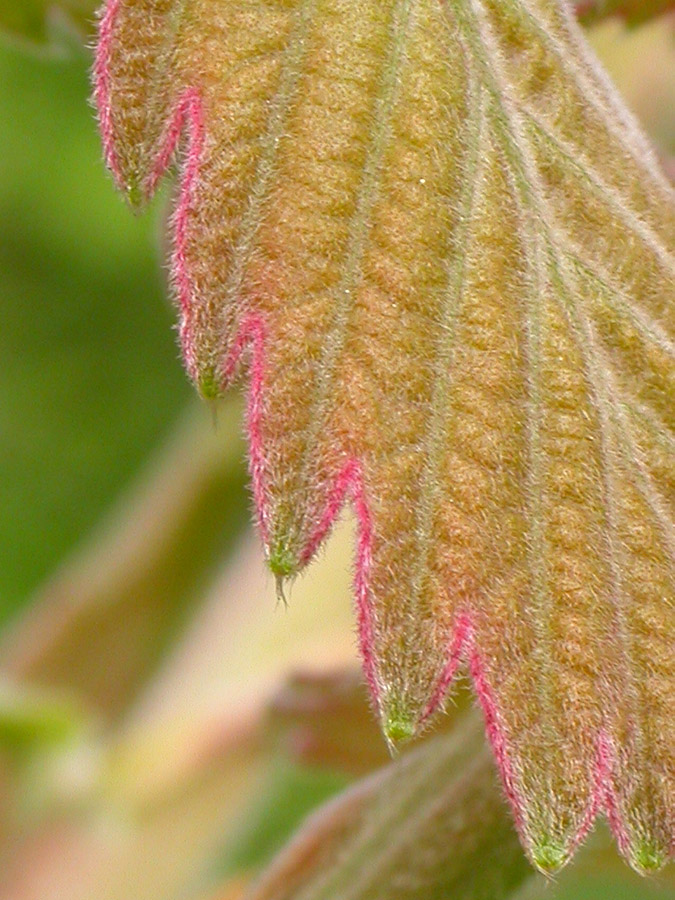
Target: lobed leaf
x,y
445,253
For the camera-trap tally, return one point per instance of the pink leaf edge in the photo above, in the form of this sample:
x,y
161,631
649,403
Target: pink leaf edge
x,y
349,485
102,89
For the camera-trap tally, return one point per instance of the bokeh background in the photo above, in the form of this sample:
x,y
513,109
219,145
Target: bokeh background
x,y
165,723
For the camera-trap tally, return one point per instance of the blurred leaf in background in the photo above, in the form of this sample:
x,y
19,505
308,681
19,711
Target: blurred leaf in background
x,y
39,21
641,62
633,11
120,602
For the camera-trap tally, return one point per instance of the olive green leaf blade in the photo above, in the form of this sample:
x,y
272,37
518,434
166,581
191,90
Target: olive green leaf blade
x,y
445,253
32,19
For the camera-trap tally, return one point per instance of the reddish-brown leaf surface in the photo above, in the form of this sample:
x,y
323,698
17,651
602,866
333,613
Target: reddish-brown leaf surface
x,y
444,253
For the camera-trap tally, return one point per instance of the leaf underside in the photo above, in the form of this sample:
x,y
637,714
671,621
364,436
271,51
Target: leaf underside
x,y
444,252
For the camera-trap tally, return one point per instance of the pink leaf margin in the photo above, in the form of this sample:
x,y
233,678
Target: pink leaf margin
x,y
349,486
103,88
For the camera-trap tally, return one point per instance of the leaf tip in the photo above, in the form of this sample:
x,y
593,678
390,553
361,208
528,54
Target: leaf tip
x,y
135,197
399,726
281,562
208,385
646,857
280,586
548,855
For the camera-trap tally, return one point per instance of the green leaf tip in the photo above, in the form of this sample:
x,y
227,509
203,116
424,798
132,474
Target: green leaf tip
x,y
281,562
399,726
209,385
136,198
646,858
549,856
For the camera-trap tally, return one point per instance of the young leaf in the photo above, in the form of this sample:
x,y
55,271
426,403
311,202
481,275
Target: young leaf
x,y
446,254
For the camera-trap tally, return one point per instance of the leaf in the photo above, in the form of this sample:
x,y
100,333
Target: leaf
x,y
33,19
281,803
232,659
431,825
144,569
32,719
182,771
598,871
443,251
324,719
633,11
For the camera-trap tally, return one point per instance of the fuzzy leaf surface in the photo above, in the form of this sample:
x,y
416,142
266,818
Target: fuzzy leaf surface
x,y
444,252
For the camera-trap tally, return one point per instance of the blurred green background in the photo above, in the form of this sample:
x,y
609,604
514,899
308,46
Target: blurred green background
x,y
91,389
90,378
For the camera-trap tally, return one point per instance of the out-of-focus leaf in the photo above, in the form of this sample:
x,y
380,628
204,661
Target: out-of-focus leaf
x,y
115,848
33,719
445,250
432,825
181,770
321,723
237,651
33,20
102,623
633,11
325,719
291,792
641,62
